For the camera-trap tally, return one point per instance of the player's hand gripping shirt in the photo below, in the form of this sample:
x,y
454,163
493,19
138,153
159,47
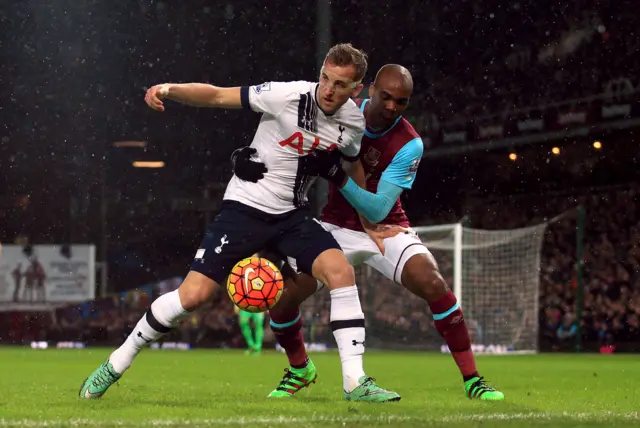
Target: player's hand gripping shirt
x,y
292,126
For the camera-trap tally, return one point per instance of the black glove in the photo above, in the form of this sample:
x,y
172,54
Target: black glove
x,y
246,169
327,165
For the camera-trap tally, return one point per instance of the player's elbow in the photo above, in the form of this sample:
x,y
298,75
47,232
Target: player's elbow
x,y
375,217
206,95
226,97
380,212
195,94
215,97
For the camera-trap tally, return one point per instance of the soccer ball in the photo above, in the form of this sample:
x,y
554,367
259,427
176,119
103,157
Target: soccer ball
x,y
255,284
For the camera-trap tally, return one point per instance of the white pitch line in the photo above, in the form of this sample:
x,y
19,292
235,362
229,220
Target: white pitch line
x,y
380,419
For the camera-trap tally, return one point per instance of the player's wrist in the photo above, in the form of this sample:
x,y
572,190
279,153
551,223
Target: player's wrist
x,y
164,90
344,181
338,176
348,187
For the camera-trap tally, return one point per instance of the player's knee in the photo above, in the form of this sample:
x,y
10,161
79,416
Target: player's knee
x,y
435,284
195,290
333,270
423,278
430,287
339,276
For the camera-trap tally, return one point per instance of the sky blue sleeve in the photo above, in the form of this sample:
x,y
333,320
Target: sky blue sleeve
x,y
374,207
402,169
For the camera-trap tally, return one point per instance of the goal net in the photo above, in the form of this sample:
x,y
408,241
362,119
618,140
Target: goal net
x,y
495,276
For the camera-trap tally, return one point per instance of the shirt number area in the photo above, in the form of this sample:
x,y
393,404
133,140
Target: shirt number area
x,y
296,143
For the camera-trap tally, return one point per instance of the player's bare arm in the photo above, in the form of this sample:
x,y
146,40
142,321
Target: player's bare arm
x,y
193,94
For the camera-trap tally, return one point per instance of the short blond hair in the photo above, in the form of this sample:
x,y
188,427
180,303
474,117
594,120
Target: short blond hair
x,y
344,54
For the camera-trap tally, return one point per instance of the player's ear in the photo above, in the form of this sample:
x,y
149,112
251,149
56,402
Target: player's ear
x,y
372,90
356,91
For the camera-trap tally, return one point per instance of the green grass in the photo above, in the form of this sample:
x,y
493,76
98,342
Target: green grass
x,y
38,388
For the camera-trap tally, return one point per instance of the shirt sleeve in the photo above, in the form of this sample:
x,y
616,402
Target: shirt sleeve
x,y
351,151
375,207
404,166
269,97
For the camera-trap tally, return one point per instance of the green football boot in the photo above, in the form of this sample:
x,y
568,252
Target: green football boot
x,y
368,391
294,380
99,381
477,389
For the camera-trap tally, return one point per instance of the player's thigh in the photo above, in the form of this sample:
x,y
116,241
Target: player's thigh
x,y
357,246
305,241
398,250
232,236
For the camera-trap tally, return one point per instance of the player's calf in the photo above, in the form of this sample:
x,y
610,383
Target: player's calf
x,y
196,290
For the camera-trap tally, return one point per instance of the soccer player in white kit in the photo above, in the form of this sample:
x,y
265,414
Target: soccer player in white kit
x,y
391,152
298,118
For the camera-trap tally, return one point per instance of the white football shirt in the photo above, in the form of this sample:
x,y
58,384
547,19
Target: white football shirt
x,y
292,126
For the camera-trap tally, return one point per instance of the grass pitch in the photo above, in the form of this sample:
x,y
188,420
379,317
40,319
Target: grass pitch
x,y
38,388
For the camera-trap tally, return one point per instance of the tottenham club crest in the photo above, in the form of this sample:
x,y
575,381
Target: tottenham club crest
x,y
372,156
223,241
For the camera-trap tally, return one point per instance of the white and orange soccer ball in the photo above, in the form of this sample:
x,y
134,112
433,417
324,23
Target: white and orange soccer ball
x,y
255,284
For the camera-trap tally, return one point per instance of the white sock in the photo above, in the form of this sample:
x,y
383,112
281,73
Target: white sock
x,y
347,323
164,314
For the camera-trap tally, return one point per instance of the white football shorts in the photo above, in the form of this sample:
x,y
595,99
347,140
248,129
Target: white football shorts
x,y
359,248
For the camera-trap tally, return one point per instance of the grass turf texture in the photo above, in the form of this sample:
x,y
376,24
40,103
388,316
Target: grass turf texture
x,y
39,388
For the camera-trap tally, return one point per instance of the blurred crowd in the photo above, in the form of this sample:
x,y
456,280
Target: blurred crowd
x,y
556,52
611,264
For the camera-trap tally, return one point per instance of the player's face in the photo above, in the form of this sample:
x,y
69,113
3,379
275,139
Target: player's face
x,y
337,85
389,100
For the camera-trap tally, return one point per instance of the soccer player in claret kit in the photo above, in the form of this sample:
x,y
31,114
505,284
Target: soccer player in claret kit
x,y
390,154
298,118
